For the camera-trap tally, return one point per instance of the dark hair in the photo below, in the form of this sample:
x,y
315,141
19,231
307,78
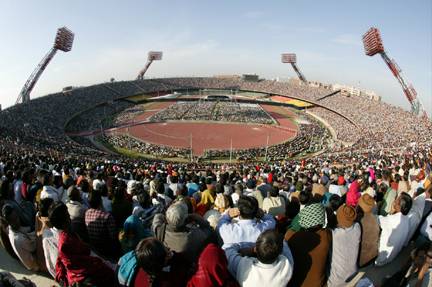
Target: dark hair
x,y
248,207
160,187
74,193
144,199
7,211
84,185
174,179
104,190
219,188
150,254
334,202
95,199
45,205
274,192
304,197
58,215
405,203
268,246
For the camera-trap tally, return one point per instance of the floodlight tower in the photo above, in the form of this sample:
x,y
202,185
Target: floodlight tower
x,y
63,42
291,58
152,56
373,45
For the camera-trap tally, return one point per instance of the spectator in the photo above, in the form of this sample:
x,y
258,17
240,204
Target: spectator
x,y
274,204
181,232
23,241
310,247
394,230
75,264
269,262
370,230
101,227
345,247
250,225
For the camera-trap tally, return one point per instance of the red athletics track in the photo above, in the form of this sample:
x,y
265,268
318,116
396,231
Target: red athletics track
x,y
215,135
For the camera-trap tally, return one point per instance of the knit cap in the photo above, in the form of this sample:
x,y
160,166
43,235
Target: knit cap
x,y
346,215
367,203
312,215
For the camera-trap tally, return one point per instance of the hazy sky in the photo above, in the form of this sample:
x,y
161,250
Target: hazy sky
x,y
203,38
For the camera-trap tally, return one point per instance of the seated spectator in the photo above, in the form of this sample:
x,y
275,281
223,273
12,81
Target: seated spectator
x,y
268,263
101,228
160,198
42,224
252,191
192,185
238,191
207,197
75,264
77,212
394,230
332,206
310,247
180,231
50,239
353,194
22,240
121,207
212,269
147,266
251,223
304,198
345,247
49,190
214,214
274,204
415,214
370,230
106,201
132,233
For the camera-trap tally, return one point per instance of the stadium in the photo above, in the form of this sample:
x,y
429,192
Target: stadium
x,y
229,180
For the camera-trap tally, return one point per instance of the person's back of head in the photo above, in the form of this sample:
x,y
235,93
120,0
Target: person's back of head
x,y
405,203
334,202
74,194
44,206
159,187
144,199
176,214
151,255
59,216
274,192
305,197
248,207
95,199
269,246
10,214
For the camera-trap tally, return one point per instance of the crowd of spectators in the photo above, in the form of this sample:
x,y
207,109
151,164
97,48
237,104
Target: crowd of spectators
x,y
41,123
89,221
145,148
220,111
311,138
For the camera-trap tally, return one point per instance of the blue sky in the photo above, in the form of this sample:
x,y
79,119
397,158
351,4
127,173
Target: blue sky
x,y
203,37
